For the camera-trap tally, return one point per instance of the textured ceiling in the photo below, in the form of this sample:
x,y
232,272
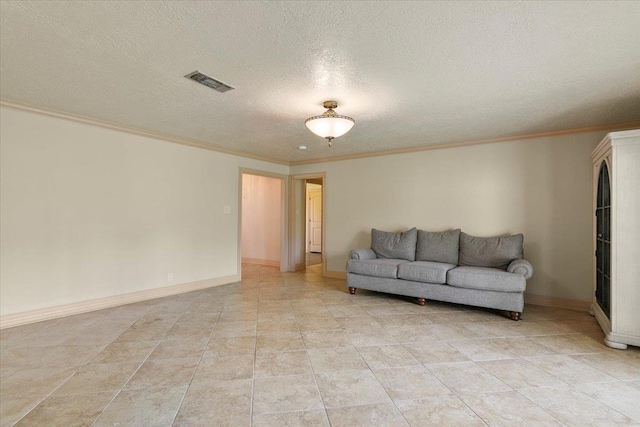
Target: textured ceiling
x,y
410,74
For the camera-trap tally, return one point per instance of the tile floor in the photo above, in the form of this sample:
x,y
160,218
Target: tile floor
x,y
296,349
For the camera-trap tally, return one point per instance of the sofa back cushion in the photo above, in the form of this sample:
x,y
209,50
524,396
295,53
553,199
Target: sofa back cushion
x,y
395,245
438,246
495,252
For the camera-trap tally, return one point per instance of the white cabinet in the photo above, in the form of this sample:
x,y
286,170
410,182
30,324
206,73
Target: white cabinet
x,y
616,237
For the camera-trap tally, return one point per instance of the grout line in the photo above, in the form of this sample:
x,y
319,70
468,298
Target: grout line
x,y
197,365
139,366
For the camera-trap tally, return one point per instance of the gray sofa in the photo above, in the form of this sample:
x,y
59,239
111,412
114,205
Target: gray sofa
x,y
449,266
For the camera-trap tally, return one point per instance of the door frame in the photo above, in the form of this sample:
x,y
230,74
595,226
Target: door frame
x,y
308,237
284,217
294,235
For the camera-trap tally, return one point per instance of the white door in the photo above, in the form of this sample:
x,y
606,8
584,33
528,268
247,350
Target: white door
x,y
315,220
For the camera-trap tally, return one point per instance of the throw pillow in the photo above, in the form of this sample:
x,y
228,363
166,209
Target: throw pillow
x,y
438,246
394,245
495,252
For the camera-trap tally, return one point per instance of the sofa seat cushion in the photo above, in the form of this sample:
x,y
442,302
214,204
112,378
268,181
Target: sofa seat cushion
x,y
484,278
382,267
425,271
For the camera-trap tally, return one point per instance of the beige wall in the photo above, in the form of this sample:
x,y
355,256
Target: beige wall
x,y
261,218
89,212
539,187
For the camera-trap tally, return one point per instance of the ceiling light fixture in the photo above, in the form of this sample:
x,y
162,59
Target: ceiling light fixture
x,y
329,125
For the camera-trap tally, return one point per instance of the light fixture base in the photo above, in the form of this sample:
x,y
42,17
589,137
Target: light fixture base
x,y
330,104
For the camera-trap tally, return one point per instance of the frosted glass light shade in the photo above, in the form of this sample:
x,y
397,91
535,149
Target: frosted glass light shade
x,y
329,126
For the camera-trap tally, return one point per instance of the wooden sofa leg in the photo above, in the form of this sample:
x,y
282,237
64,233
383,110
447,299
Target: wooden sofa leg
x,y
515,315
352,291
421,301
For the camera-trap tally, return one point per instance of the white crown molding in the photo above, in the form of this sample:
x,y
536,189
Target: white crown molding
x,y
48,313
620,126
131,130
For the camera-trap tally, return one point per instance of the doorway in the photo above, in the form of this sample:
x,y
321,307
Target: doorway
x,y
262,220
313,253
307,224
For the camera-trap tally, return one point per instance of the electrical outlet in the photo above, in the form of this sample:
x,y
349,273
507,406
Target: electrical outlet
x,y
170,277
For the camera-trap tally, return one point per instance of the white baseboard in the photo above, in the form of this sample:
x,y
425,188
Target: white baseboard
x,y
25,317
267,262
336,274
547,301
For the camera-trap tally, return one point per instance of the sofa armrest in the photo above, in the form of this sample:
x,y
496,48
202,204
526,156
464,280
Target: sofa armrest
x,y
521,267
362,254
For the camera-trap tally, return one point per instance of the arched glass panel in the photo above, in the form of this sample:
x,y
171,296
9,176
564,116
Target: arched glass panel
x,y
603,240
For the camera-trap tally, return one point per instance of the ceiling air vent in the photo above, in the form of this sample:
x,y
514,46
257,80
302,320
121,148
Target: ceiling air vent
x,y
209,81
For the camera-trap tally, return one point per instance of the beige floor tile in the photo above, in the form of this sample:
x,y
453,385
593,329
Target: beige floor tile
x,y
571,344
230,346
63,411
569,370
316,323
176,349
98,377
163,373
621,365
357,322
217,403
278,364
574,408
336,359
48,357
617,395
410,382
144,407
381,414
125,352
435,352
348,388
519,373
221,368
441,411
189,331
449,332
12,409
292,419
278,342
494,329
349,310
199,317
285,394
523,346
467,378
482,349
277,326
508,409
390,356
370,336
326,339
419,320
409,333
33,383
234,329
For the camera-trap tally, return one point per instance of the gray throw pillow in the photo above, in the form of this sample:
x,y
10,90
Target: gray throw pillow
x,y
394,245
495,252
438,246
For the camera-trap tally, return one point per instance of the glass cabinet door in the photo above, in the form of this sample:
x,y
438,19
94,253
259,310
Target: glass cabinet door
x,y
603,240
